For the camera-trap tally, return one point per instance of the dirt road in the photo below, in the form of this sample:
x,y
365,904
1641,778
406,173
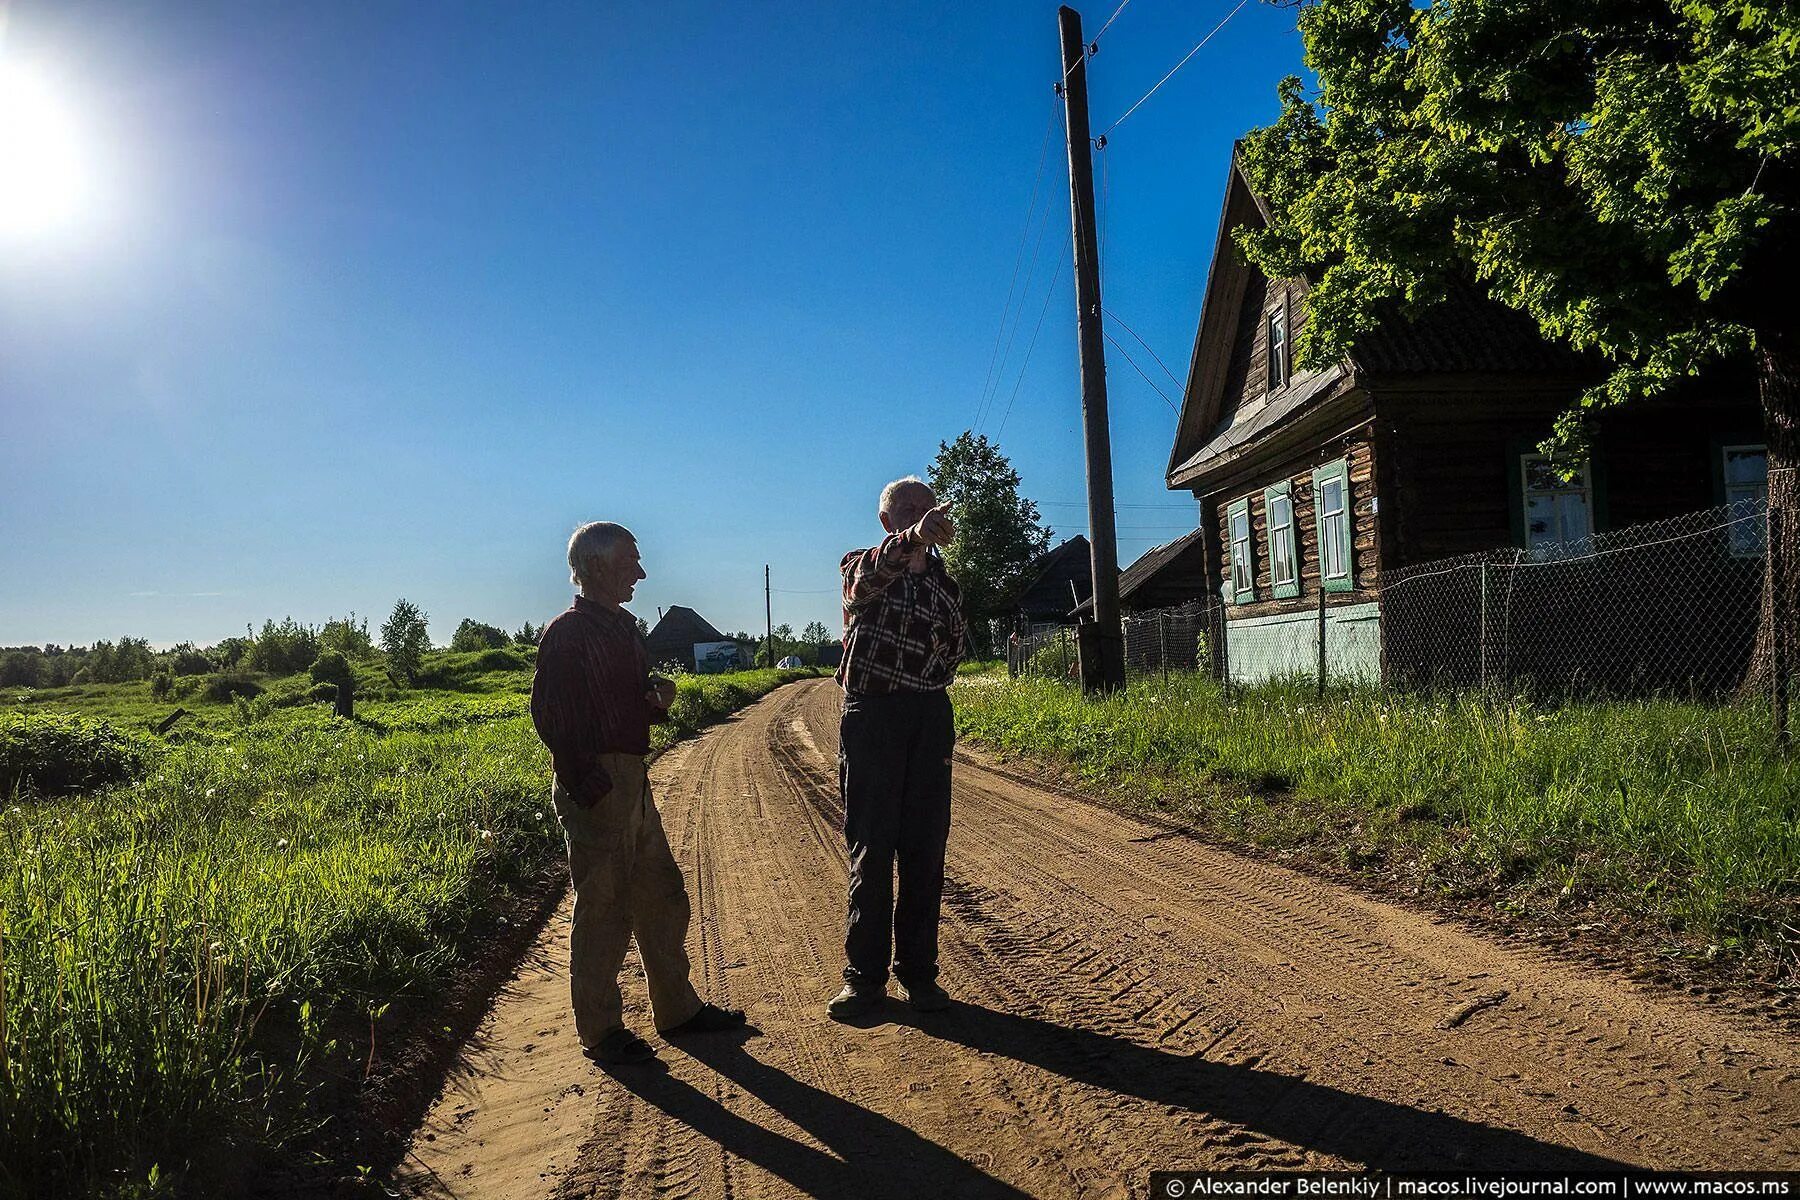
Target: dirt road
x,y
1129,999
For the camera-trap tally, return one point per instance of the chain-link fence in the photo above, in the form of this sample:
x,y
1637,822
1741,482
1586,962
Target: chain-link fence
x,y
1675,607
1666,607
1168,639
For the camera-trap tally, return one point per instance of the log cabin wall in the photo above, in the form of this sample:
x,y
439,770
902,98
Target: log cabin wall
x,y
1450,458
1365,543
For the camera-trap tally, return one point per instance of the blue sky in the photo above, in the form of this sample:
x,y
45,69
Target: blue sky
x,y
381,300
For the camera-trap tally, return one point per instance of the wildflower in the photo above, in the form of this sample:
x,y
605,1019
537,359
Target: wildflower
x,y
211,792
487,835
282,844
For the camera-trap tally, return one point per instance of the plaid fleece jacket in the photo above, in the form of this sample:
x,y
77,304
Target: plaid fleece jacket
x,y
903,632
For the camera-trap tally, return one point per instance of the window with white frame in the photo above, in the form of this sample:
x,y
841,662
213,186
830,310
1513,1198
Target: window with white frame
x,y
1746,475
1278,347
1557,510
1242,585
1284,571
1331,506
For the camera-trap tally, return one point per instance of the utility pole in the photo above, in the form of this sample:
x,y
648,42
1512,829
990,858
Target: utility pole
x,y
1105,649
768,615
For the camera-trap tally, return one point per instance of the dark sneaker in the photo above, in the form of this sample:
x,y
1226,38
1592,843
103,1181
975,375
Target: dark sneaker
x,y
619,1047
710,1019
854,1002
926,997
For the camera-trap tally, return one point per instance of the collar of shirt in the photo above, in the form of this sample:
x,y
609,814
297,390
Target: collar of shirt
x,y
607,615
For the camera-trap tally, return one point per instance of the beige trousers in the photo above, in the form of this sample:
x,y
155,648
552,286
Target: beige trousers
x,y
626,882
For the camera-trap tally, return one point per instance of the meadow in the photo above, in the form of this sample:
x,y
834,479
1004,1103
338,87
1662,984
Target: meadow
x,y
1673,817
181,945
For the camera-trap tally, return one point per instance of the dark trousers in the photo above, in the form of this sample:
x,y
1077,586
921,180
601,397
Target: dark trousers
x,y
894,776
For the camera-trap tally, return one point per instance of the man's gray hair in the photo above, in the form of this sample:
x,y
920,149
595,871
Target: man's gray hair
x,y
596,539
892,490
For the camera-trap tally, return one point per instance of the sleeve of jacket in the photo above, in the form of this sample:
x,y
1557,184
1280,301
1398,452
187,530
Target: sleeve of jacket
x,y
563,714
868,573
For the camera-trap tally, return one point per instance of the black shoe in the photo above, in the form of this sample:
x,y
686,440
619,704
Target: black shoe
x,y
925,997
854,1002
619,1047
710,1019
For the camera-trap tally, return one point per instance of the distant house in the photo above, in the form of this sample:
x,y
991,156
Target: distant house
x,y
1420,445
679,632
1048,597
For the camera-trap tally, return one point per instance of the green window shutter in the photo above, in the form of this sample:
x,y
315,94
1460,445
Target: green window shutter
x,y
1333,514
1240,581
1284,556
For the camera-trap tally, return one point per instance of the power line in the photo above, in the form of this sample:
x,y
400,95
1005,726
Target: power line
x,y
1153,387
1037,254
1048,296
1175,68
1146,345
1018,257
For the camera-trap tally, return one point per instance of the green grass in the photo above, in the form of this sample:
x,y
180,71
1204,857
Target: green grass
x,y
1673,812
174,950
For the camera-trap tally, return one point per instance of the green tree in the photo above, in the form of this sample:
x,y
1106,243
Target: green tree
x,y
814,637
528,634
998,532
1622,171
405,639
186,659
473,635
348,637
22,668
283,649
333,668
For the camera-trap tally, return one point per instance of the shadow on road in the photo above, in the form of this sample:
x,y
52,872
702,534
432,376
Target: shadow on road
x,y
869,1155
1379,1133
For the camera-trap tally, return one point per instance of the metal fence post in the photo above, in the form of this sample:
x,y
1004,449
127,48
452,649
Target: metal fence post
x,y
1773,546
1321,636
1162,642
1481,671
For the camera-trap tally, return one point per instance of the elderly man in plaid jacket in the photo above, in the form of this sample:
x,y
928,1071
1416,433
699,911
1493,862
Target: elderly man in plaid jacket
x,y
904,633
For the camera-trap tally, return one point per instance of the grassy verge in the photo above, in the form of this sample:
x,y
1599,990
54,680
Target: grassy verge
x,y
176,950
1661,812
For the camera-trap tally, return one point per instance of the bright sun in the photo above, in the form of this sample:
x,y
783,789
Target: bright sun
x,y
43,180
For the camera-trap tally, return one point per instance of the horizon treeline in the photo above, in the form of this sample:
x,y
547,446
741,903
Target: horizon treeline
x,y
283,647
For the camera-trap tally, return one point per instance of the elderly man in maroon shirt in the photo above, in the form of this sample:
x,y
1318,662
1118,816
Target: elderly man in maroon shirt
x,y
593,702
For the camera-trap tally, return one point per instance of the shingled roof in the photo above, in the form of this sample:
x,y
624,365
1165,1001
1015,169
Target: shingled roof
x,y
676,633
1467,331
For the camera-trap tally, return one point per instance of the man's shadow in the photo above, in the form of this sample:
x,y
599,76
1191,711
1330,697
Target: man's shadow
x,y
866,1153
1362,1129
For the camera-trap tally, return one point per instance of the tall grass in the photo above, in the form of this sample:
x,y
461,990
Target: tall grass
x,y
1674,810
173,951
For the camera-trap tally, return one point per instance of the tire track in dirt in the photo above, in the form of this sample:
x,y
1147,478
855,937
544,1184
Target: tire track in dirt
x,y
1129,998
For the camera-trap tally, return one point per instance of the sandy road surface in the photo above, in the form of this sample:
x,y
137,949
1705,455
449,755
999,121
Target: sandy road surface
x,y
1129,999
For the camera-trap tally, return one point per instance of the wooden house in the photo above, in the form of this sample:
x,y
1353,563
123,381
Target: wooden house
x,y
677,632
1060,579
1420,446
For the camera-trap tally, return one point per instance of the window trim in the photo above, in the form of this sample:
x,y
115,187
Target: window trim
x,y
1340,471
1725,447
1279,589
1234,594
1522,478
1270,386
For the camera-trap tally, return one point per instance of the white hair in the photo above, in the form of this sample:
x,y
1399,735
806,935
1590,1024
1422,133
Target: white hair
x,y
596,539
892,491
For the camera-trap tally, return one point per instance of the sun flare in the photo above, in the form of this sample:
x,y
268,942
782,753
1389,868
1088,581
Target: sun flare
x,y
44,185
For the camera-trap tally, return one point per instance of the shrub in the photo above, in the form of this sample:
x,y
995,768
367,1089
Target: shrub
x,y
474,635
53,754
222,688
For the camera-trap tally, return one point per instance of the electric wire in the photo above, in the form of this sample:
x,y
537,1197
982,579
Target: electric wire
x,y
1140,341
1127,355
1054,280
1175,68
1018,258
1037,254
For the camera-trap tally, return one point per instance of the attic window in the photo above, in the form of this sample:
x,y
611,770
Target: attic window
x,y
1278,348
1746,470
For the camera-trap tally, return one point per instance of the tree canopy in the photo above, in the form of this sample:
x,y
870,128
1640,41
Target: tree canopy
x,y
1620,170
998,532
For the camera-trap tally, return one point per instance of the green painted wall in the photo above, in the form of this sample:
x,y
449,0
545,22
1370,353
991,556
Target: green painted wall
x,y
1263,648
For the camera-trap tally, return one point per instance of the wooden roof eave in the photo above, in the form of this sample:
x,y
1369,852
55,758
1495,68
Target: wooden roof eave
x,y
1346,407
